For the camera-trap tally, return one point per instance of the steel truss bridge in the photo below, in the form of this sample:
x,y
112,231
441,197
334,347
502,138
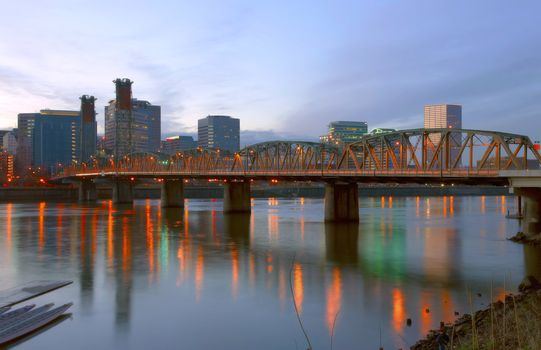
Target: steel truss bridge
x,y
405,156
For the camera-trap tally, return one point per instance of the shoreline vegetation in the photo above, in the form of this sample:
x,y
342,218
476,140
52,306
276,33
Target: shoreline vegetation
x,y
513,323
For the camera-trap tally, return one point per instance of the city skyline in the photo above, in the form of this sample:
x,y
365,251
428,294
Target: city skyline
x,y
298,75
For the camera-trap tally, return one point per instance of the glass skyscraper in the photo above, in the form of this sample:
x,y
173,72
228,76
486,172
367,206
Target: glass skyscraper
x,y
56,138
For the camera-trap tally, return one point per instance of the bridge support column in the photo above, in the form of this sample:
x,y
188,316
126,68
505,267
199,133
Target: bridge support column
x,y
531,222
341,202
172,195
87,191
122,191
237,197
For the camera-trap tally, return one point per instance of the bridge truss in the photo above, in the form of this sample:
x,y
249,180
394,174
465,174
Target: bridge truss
x,y
425,153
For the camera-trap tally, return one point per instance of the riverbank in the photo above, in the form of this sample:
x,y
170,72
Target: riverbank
x,y
69,193
510,324
521,237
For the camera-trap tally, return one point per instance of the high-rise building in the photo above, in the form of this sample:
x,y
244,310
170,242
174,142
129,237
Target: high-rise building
x,y
9,142
89,131
342,132
2,133
443,116
219,132
6,167
25,136
379,131
131,125
174,144
56,138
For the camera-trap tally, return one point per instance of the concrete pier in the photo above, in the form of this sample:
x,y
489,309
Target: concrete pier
x,y
341,202
122,191
87,191
531,219
237,197
172,194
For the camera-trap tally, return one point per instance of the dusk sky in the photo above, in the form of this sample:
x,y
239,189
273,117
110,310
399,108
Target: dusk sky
x,y
286,69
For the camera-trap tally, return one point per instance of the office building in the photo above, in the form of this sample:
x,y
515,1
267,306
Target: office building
x,y
343,132
443,116
174,144
2,133
379,131
56,139
219,132
131,125
9,142
446,116
6,167
89,131
25,136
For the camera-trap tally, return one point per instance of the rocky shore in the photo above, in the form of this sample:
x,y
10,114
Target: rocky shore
x,y
510,324
521,237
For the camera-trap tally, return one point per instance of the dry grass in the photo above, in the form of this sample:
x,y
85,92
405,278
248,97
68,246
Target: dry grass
x,y
516,325
511,325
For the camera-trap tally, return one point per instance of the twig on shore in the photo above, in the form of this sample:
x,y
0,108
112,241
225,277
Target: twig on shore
x,y
295,304
516,321
491,315
473,342
504,323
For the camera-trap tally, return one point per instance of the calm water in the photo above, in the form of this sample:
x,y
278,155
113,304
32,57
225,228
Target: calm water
x,y
150,278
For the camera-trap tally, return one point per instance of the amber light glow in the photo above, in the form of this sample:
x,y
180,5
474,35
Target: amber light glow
x,y
298,286
41,229
399,310
334,298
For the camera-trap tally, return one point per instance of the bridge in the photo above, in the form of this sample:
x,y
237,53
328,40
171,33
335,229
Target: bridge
x,y
426,156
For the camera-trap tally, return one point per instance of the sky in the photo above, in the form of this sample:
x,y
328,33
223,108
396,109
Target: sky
x,y
285,68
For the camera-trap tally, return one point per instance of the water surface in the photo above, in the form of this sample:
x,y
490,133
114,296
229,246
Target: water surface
x,y
152,278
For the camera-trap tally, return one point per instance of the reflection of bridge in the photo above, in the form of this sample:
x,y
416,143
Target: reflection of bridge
x,y
458,156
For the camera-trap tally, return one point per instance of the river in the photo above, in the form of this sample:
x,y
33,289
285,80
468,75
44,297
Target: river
x,y
152,278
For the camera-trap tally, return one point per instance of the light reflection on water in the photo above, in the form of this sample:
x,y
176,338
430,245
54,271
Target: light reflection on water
x,y
147,277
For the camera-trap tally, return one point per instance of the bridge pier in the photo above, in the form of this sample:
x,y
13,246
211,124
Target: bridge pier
x,y
341,202
122,191
172,193
531,221
87,191
237,197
